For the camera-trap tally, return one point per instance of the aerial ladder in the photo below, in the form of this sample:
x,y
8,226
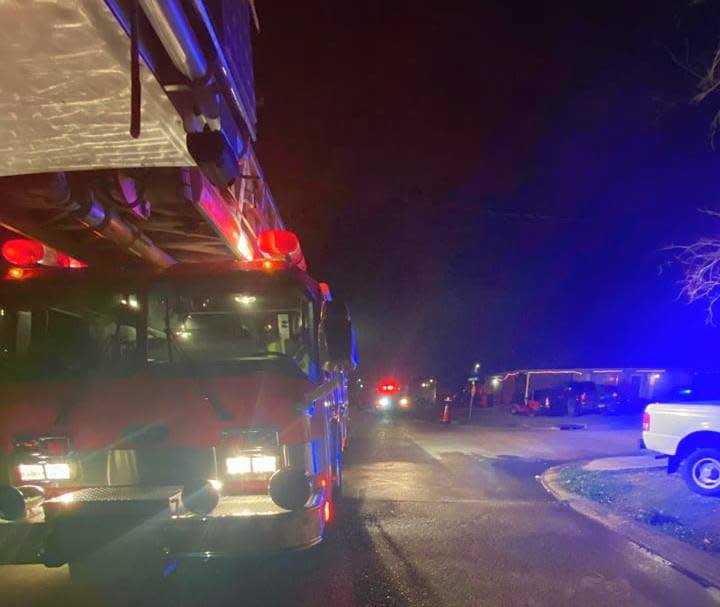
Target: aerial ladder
x,y
129,129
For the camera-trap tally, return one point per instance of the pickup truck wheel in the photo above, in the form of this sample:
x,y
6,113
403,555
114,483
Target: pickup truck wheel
x,y
701,471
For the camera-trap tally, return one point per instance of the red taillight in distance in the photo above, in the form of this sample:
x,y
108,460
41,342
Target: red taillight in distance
x,y
388,387
646,421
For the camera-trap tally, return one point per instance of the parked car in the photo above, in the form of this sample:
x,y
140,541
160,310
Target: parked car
x,y
613,400
689,434
575,398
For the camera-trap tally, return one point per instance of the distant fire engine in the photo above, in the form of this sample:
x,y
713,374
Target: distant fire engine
x,y
390,398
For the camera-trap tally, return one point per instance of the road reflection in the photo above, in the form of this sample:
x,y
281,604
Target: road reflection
x,y
346,570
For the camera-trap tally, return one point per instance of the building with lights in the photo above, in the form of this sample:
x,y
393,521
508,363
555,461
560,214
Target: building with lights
x,y
518,386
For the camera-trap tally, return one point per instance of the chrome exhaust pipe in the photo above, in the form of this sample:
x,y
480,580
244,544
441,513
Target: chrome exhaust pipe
x,y
104,221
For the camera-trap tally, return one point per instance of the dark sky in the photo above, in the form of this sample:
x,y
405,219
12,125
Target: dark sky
x,y
494,181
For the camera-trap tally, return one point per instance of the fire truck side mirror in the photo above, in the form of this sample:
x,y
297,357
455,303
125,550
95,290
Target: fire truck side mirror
x,y
337,336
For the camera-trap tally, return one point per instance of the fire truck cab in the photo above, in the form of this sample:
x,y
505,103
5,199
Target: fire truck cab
x,y
197,411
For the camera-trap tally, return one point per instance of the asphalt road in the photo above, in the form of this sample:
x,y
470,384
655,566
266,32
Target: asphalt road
x,y
432,516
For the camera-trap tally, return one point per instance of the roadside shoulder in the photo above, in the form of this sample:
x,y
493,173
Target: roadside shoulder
x,y
691,561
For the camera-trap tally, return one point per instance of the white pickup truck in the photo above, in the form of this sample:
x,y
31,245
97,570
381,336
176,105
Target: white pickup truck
x,y
689,433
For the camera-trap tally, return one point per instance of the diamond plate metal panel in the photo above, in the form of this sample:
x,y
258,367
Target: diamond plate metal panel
x,y
65,93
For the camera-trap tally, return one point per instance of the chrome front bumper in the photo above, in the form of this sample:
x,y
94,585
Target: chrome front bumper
x,y
240,526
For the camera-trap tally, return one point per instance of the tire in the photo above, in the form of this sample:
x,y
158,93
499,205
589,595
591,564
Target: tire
x,y
701,471
572,408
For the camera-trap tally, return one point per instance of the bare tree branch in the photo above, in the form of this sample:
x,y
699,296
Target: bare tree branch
x,y
684,64
700,262
710,82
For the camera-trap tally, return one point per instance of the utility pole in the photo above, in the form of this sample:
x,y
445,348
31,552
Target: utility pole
x,y
473,388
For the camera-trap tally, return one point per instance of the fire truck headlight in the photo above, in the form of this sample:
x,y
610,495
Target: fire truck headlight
x,y
404,402
31,472
290,488
200,497
55,471
384,402
238,465
264,463
58,471
245,464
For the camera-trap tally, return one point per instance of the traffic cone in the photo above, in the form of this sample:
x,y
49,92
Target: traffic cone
x,y
446,414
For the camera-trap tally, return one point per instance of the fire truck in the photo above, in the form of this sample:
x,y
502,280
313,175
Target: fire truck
x,y
173,382
390,398
198,411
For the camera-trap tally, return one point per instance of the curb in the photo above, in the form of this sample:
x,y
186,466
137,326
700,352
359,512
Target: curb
x,y
692,562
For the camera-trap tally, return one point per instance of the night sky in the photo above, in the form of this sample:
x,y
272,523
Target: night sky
x,y
493,181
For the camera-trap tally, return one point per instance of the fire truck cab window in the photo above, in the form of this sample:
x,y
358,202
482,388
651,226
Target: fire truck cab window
x,y
67,337
230,326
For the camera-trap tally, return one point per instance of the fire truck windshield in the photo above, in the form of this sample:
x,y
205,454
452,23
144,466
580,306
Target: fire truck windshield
x,y
201,326
68,335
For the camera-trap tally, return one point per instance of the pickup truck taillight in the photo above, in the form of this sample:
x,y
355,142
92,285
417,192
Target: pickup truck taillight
x,y
646,421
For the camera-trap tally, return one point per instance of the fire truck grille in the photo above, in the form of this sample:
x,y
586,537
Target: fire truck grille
x,y
146,466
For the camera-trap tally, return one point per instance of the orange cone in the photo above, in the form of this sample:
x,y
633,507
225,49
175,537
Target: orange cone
x,y
446,414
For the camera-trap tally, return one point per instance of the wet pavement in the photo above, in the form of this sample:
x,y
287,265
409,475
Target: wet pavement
x,y
432,515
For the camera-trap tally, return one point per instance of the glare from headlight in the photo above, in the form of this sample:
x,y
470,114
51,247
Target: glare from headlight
x,y
384,401
31,472
215,484
238,465
404,402
244,464
264,463
57,471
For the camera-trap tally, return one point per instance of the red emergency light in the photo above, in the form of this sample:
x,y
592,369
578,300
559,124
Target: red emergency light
x,y
325,290
282,244
388,387
24,253
278,242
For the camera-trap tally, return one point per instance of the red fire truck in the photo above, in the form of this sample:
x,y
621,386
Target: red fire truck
x,y
390,398
172,382
196,411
